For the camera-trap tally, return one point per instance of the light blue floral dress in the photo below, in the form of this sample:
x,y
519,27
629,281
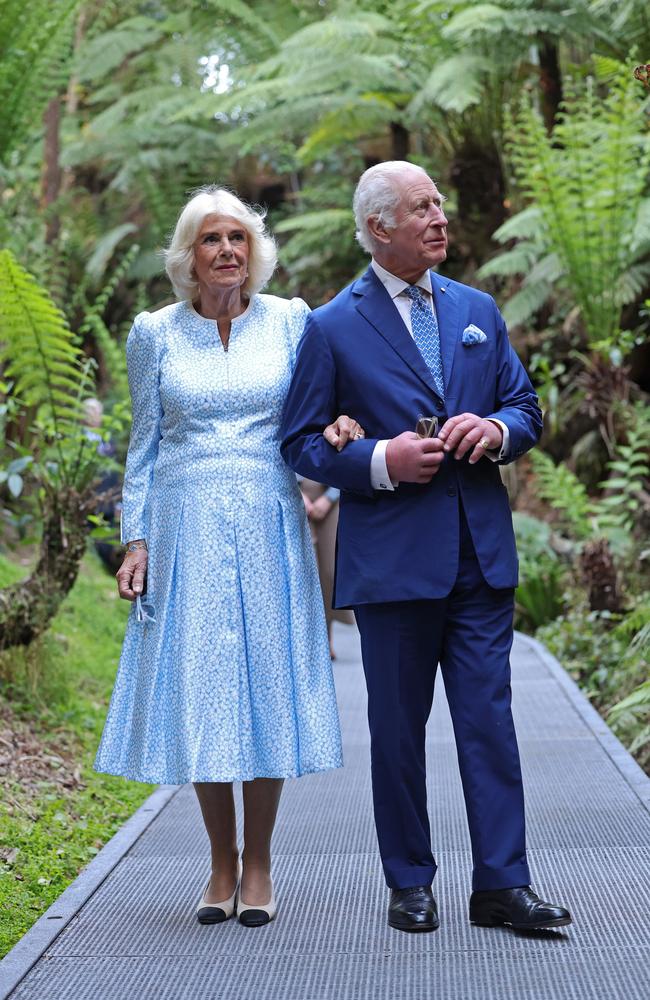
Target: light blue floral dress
x,y
233,679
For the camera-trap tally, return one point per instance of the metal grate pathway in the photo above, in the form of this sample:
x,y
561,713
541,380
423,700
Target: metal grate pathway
x,y
132,932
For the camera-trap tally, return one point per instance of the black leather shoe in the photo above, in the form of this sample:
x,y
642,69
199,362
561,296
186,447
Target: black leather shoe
x,y
413,909
519,908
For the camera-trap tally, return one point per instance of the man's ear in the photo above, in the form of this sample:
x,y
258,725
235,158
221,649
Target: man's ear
x,y
377,229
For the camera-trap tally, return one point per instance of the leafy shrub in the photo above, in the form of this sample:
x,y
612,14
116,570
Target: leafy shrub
x,y
539,598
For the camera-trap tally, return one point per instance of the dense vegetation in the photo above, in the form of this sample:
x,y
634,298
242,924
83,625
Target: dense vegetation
x,y
533,122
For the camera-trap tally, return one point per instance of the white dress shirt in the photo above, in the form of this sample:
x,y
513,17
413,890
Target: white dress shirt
x,y
379,478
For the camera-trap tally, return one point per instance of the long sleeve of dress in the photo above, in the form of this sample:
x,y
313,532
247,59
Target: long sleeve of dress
x,y
143,371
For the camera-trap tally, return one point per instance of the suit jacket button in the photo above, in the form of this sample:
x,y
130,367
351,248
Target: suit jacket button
x,y
451,492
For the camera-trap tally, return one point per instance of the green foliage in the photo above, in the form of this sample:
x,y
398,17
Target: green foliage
x,y
49,376
59,689
615,514
629,474
587,182
610,659
562,489
112,349
539,598
632,713
37,43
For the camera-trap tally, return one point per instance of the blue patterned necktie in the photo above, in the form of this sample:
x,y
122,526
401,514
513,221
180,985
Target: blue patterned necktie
x,y
426,334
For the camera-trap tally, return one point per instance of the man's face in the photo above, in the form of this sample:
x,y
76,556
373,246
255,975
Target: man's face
x,y
419,238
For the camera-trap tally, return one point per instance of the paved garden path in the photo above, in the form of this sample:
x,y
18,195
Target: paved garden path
x,y
126,928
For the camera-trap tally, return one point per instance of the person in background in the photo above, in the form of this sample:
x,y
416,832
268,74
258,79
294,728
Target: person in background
x,y
107,487
322,506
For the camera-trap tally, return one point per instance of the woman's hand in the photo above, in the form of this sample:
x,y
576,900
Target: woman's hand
x,y
130,575
320,508
343,429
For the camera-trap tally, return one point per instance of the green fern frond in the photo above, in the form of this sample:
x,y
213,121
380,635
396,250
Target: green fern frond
x,y
565,493
519,260
454,84
525,225
106,52
40,352
37,42
526,302
325,221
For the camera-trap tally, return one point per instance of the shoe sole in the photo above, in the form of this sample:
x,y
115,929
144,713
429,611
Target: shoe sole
x,y
547,925
213,920
255,921
413,928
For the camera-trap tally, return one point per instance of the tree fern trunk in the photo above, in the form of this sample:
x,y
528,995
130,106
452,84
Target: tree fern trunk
x,y
550,78
28,607
400,141
476,174
51,180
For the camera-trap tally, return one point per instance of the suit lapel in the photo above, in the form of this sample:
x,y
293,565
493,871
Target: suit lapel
x,y
375,304
451,313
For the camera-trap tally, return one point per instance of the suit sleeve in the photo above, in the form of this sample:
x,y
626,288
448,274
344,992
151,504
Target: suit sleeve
x,y
310,406
517,403
146,412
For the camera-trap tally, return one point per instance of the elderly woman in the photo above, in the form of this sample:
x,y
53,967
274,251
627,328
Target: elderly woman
x,y
225,673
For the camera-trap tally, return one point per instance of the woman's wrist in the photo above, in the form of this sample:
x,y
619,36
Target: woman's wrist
x,y
136,544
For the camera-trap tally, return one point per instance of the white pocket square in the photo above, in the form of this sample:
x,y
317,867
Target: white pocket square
x,y
473,335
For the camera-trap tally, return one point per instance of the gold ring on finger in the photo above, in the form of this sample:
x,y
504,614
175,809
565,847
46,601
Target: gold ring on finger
x,y
484,443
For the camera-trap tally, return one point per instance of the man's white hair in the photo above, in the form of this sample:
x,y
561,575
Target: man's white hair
x,y
213,200
378,195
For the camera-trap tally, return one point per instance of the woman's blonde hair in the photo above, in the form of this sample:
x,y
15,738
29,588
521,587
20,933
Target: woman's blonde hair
x,y
213,200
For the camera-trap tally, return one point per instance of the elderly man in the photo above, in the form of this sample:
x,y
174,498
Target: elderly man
x,y
426,551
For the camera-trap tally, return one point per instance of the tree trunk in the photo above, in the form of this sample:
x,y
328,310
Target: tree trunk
x,y
400,141
28,607
476,174
51,179
600,576
550,80
72,94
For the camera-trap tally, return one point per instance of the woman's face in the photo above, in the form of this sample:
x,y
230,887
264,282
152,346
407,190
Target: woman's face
x,y
221,252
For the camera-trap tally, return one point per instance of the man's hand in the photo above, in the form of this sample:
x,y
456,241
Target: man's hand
x,y
469,431
130,575
343,429
410,459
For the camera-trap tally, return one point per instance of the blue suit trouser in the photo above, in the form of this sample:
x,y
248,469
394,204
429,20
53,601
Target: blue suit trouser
x,y
469,633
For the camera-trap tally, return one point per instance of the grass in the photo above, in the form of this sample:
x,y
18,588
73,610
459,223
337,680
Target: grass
x,y
57,812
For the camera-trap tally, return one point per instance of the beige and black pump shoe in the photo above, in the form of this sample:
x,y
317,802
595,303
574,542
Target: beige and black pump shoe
x,y
256,916
216,913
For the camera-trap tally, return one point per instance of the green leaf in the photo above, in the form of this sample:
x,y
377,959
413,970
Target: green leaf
x,y
15,484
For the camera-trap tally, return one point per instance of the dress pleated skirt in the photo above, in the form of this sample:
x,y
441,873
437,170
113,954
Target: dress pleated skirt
x,y
232,681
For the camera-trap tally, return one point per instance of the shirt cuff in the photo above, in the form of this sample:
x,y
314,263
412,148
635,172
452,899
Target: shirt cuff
x,y
493,454
379,478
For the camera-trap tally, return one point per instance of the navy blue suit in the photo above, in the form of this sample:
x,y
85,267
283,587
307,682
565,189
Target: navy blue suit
x,y
429,569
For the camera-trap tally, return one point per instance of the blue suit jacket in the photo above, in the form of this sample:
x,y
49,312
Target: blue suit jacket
x,y
356,356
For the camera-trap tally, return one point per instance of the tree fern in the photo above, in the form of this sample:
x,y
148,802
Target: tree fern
x,y
587,182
